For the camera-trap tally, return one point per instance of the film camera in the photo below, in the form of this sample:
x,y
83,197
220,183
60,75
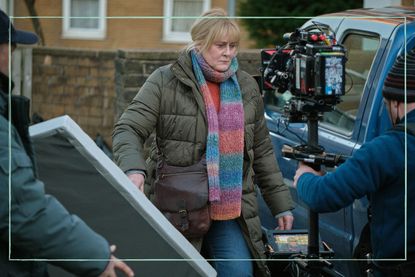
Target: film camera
x,y
311,66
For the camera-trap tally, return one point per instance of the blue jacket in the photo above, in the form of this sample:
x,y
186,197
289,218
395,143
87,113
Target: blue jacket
x,y
41,228
377,170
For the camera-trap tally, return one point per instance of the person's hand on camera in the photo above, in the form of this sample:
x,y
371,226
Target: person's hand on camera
x,y
138,180
115,263
303,168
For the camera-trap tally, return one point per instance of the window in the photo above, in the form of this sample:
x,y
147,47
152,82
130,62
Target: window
x,y
84,19
6,6
361,50
177,29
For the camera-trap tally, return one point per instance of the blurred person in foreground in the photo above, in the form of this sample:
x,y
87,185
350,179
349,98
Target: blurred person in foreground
x,y
203,105
40,227
377,170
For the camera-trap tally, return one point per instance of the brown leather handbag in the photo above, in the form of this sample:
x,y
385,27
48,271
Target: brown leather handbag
x,y
182,195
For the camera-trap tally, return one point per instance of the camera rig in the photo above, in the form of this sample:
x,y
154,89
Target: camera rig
x,y
311,66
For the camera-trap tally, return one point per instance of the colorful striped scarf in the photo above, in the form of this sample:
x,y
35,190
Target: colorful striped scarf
x,y
225,139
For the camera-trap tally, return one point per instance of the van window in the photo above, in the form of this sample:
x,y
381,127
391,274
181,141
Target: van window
x,y
361,50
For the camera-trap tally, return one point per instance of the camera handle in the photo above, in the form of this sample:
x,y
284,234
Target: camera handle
x,y
303,154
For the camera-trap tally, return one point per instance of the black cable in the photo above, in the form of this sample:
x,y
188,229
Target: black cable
x,y
287,129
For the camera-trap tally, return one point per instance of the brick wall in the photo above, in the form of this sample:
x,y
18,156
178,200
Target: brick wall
x,y
94,87
78,83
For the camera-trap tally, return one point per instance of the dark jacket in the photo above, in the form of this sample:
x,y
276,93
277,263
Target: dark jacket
x,y
40,227
377,170
171,102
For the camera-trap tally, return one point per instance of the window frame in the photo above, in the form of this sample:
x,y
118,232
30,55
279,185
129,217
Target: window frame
x,y
84,33
176,37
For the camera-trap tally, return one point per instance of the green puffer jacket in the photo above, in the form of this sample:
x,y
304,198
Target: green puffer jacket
x,y
171,103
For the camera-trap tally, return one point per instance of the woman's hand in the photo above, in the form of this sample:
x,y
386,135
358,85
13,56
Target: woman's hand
x,y
138,180
285,222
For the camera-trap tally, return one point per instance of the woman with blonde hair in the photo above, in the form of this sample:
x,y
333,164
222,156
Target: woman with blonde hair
x,y
204,107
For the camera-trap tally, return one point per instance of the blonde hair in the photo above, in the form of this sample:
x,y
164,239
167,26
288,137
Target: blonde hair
x,y
211,26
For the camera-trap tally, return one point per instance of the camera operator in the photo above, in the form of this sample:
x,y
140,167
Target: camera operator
x,y
377,170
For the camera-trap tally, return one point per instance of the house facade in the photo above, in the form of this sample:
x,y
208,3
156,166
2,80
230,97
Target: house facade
x,y
115,24
125,24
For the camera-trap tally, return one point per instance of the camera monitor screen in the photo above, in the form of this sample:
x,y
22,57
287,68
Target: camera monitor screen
x,y
287,242
291,243
334,72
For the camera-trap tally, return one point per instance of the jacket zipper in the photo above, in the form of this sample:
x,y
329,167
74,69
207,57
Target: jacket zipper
x,y
163,175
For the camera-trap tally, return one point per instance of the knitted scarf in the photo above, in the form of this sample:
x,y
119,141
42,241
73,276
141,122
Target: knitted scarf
x,y
225,139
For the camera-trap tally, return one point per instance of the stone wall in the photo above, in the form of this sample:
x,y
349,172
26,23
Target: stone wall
x,y
94,87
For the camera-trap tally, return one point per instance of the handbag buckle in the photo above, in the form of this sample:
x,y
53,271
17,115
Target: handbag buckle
x,y
184,224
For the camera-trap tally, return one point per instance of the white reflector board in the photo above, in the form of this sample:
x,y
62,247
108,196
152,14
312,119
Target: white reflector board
x,y
91,186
